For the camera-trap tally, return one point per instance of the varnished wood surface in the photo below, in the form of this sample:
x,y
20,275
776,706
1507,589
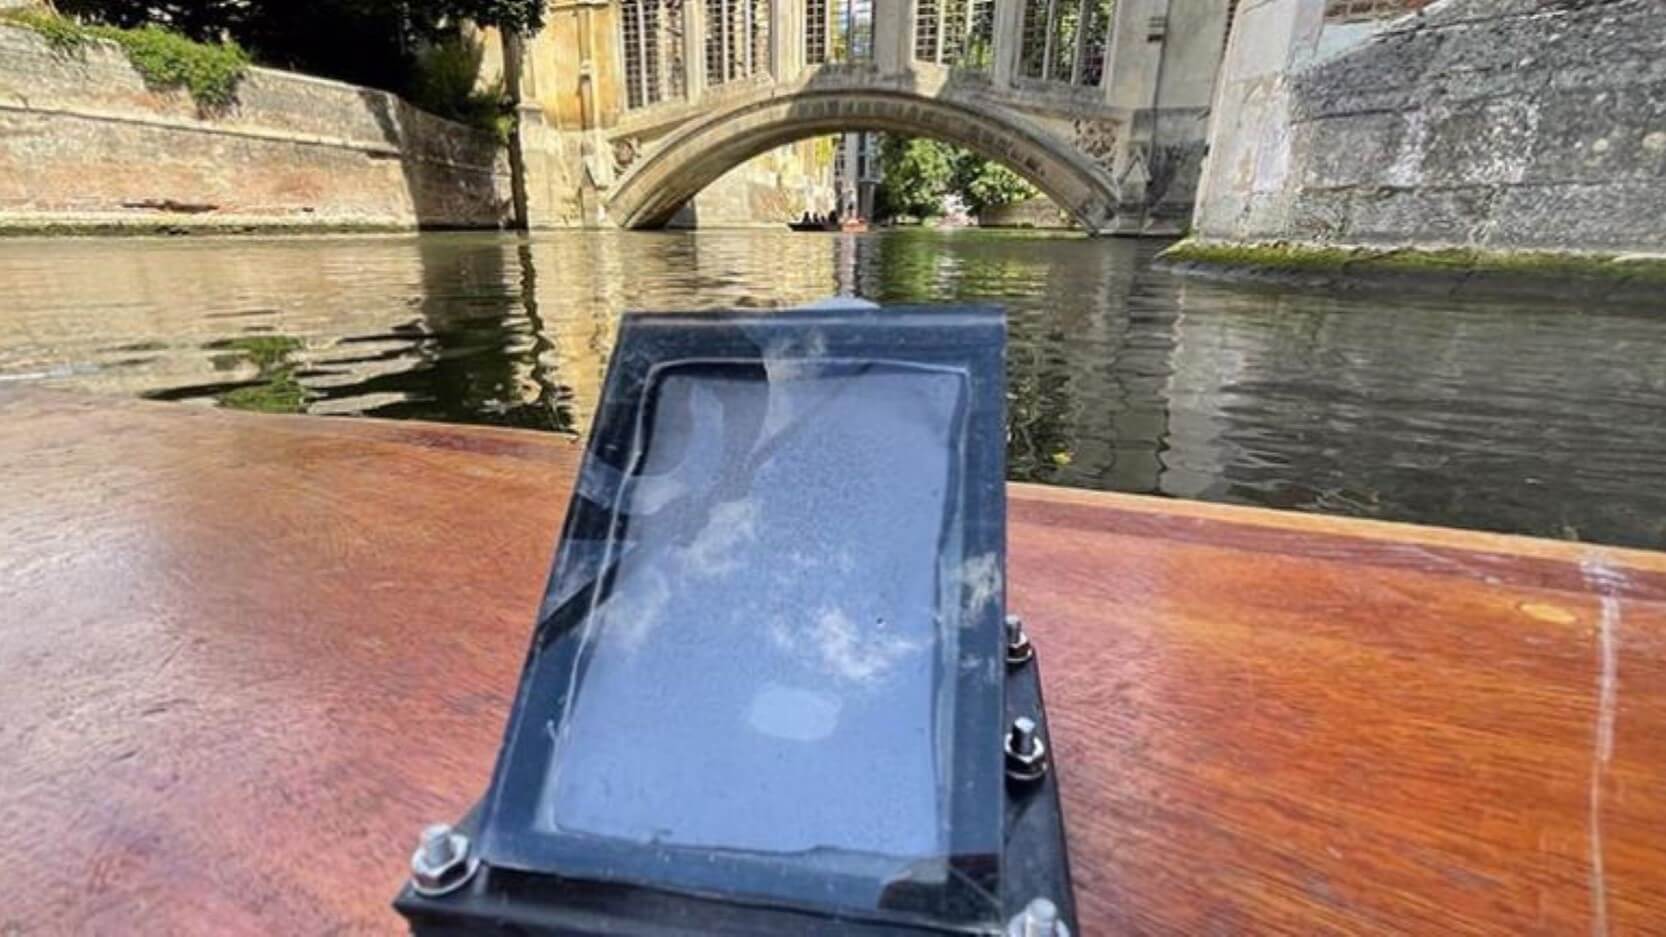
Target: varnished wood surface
x,y
244,658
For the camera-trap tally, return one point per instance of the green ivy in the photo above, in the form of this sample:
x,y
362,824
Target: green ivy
x,y
63,35
210,71
165,59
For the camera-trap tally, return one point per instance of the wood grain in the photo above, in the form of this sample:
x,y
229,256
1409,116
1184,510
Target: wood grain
x,y
244,658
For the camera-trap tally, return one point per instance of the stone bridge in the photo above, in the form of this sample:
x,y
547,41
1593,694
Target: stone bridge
x,y
630,107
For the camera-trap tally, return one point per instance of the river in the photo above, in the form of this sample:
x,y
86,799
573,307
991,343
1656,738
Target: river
x,y
1516,417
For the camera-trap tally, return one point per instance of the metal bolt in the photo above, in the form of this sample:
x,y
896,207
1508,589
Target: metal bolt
x,y
441,863
437,848
1026,752
1023,734
1040,918
1019,649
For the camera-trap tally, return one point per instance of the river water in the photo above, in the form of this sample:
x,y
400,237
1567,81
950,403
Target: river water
x,y
1539,419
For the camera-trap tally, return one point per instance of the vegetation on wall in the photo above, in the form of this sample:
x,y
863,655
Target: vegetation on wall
x,y
1465,263
387,44
919,173
210,71
63,35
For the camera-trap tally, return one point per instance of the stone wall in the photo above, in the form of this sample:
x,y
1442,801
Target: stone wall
x,y
85,143
1353,11
1038,212
1495,124
773,189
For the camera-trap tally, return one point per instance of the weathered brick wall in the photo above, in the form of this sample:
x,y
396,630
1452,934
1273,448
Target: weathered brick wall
x,y
1484,123
83,141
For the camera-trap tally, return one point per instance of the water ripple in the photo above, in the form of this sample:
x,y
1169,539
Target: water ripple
x,y
1509,417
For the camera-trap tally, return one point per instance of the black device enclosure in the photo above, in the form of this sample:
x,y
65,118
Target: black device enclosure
x,y
501,899
506,902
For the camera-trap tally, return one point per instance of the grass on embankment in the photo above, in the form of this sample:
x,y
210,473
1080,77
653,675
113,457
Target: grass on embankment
x,y
166,60
1553,274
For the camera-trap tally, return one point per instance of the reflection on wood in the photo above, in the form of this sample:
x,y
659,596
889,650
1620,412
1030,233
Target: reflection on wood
x,y
246,658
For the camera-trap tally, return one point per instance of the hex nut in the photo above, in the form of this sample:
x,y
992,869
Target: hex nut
x,y
1040,918
442,862
1026,753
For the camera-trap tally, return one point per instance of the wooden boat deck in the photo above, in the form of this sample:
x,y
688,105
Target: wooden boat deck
x,y
244,658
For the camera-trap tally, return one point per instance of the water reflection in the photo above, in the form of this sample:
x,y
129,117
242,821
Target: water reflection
x,y
1499,416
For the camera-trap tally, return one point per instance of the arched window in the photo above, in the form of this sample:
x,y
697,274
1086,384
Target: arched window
x,y
816,23
651,38
955,32
1066,40
838,31
737,39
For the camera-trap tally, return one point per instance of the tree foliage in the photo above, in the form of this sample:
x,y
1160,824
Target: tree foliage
x,y
368,42
446,81
208,19
919,172
984,183
521,16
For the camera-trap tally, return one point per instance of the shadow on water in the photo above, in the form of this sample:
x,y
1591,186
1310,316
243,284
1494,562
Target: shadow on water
x,y
1519,418
477,346
274,388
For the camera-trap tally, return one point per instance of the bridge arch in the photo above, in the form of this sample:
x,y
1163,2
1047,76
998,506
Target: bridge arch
x,y
694,155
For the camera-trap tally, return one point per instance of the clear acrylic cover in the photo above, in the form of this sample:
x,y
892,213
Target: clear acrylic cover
x,y
768,663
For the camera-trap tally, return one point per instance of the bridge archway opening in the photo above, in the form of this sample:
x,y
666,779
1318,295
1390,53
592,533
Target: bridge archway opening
x,y
694,156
